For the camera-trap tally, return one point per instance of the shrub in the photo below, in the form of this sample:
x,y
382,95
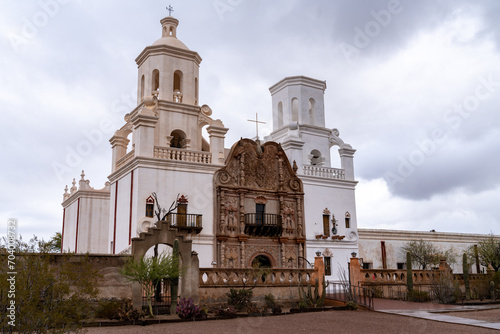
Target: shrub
x,y
108,309
53,292
378,292
229,311
352,305
186,309
239,298
418,296
446,291
270,301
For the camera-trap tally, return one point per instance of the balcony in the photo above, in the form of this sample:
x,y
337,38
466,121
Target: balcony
x,y
185,222
263,225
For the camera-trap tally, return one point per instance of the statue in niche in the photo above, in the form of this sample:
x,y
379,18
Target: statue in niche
x,y
231,209
289,215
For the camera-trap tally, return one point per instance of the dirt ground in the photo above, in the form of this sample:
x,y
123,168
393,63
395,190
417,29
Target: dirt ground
x,y
316,322
487,315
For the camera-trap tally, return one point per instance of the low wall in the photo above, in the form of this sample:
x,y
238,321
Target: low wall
x,y
283,284
111,283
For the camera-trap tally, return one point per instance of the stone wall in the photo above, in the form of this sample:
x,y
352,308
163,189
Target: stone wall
x,y
111,283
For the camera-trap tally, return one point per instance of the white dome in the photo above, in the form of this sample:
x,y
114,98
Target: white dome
x,y
171,41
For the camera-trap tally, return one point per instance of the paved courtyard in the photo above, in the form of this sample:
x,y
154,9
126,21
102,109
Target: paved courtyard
x,y
326,322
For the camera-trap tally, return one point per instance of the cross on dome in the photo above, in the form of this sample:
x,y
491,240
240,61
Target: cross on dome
x,y
170,9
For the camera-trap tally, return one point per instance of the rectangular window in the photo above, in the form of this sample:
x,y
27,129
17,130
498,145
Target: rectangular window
x,y
328,267
326,225
149,210
260,210
401,265
367,265
347,222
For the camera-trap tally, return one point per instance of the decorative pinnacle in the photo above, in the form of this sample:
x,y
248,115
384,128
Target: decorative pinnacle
x,y
83,175
66,189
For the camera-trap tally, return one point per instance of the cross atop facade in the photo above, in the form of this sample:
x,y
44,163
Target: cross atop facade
x,y
170,10
256,121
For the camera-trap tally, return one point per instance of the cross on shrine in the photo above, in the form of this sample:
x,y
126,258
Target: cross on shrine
x,y
170,10
256,121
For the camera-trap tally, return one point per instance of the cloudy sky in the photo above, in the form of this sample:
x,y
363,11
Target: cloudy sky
x,y
414,86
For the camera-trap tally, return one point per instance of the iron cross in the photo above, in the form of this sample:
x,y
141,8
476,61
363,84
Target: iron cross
x,y
256,121
170,10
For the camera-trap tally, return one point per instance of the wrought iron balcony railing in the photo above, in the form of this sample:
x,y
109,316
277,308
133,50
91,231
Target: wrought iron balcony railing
x,y
185,221
263,224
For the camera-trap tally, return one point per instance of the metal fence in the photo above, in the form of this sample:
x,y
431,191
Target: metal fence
x,y
360,295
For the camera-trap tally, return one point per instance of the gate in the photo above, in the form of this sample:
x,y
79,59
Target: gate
x,y
161,301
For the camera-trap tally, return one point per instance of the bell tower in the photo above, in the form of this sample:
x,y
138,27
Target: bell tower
x,y
168,70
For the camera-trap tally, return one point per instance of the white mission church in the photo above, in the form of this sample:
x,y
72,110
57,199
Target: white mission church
x,y
275,202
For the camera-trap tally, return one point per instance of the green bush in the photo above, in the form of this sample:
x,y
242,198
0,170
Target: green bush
x,y
239,298
352,305
115,309
418,296
53,292
108,309
378,292
270,301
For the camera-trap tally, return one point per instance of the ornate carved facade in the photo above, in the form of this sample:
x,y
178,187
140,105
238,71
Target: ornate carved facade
x,y
259,208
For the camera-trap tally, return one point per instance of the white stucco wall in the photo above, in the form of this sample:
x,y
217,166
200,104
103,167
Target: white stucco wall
x,y
338,197
371,252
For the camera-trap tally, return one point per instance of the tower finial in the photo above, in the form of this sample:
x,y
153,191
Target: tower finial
x,y
170,9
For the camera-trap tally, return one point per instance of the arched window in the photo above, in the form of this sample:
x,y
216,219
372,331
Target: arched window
x,y
295,110
280,115
177,86
347,219
150,206
312,112
155,83
316,158
142,87
178,138
326,222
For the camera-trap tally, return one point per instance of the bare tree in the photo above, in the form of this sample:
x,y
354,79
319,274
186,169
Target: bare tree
x,y
158,213
489,252
425,254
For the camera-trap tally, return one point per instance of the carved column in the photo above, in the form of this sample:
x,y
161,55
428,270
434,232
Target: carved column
x,y
300,230
242,213
222,219
242,255
282,257
242,170
222,254
301,256
280,174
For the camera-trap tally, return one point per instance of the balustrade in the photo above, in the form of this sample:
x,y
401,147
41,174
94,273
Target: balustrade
x,y
236,277
326,172
170,153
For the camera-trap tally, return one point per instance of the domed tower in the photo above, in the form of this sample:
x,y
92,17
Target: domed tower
x,y
168,117
168,70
